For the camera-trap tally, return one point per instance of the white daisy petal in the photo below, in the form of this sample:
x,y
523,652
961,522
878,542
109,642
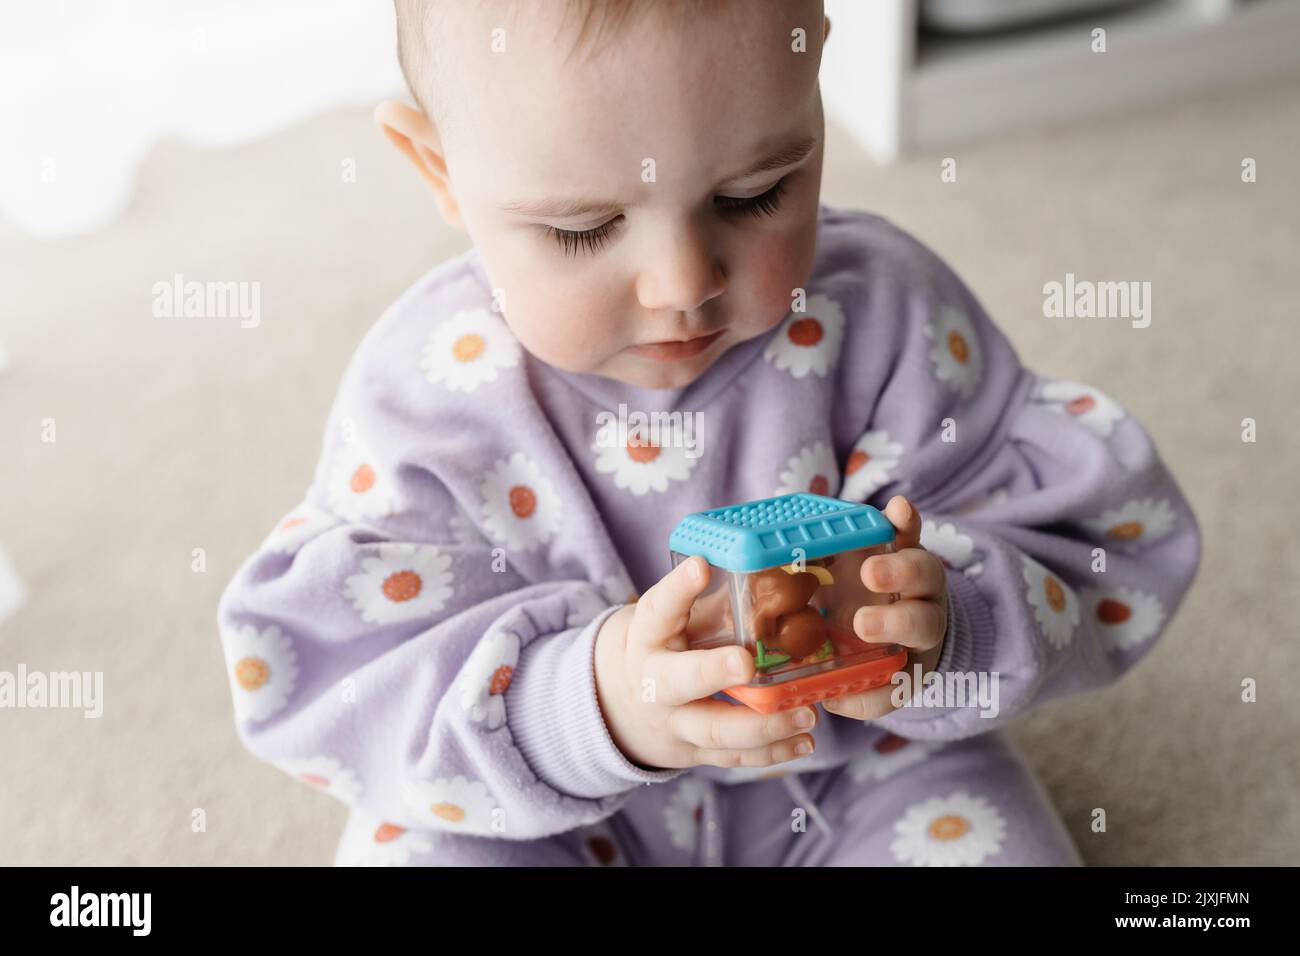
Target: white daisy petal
x,y
297,528
888,756
808,342
458,804
484,679
870,465
682,813
1126,618
326,774
521,508
956,353
359,487
1090,407
813,470
469,349
263,670
954,549
1136,524
1056,608
641,464
375,842
957,830
400,582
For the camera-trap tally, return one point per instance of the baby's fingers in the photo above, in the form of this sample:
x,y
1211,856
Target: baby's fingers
x,y
663,611
779,752
910,573
679,677
715,725
906,521
913,623
868,705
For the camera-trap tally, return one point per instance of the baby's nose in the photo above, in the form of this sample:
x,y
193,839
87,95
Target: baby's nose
x,y
682,282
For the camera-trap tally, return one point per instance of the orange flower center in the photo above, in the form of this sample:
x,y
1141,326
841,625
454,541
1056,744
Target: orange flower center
x,y
949,827
1127,530
500,679
641,451
252,672
819,485
890,743
603,849
388,832
289,523
316,780
449,812
1110,611
522,501
468,347
363,479
402,586
958,347
805,332
856,460
1080,405
1055,594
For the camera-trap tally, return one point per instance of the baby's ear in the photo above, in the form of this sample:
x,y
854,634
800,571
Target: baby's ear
x,y
410,131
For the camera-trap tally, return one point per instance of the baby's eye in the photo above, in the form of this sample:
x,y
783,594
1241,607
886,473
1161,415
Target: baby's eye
x,y
764,204
589,241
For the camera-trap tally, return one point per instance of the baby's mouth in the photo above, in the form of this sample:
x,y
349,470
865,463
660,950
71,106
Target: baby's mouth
x,y
672,351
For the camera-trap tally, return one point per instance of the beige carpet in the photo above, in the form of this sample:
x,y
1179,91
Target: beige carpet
x,y
174,435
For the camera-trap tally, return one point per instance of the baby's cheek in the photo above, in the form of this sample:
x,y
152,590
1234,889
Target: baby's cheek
x,y
563,330
780,265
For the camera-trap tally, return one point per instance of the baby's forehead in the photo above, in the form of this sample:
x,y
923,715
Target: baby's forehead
x,y
452,47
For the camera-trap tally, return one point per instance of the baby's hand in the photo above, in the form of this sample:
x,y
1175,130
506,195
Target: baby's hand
x,y
918,620
653,691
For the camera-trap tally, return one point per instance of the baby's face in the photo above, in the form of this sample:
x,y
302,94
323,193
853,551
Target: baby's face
x,y
620,200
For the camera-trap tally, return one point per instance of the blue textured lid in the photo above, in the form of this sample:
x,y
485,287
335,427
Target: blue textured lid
x,y
762,534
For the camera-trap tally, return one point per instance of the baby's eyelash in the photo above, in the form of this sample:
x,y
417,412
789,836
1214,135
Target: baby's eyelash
x,y
764,204
591,241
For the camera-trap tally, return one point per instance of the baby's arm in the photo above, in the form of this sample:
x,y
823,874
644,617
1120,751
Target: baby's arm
x,y
1068,543
382,649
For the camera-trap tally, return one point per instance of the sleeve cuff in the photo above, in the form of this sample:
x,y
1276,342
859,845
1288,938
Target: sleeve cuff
x,y
968,647
555,719
969,643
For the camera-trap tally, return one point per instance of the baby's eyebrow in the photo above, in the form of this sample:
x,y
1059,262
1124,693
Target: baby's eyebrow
x,y
784,156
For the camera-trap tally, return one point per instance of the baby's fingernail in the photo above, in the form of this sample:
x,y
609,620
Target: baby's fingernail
x,y
736,665
884,577
869,624
803,748
803,718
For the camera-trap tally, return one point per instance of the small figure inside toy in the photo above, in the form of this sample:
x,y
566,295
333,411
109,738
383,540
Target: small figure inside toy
x,y
787,622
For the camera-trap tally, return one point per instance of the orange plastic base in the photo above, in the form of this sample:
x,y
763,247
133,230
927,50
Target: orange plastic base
x,y
801,691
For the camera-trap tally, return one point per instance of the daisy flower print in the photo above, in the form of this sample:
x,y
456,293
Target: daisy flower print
x,y
956,830
808,342
400,582
521,508
469,349
263,670
955,351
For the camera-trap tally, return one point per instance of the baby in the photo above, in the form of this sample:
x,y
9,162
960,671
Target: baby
x,y
446,633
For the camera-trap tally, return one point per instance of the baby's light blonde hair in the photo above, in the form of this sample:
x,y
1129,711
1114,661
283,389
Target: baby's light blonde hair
x,y
422,32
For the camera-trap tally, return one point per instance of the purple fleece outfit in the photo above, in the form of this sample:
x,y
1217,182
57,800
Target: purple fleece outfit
x,y
416,638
